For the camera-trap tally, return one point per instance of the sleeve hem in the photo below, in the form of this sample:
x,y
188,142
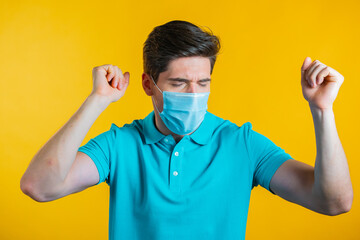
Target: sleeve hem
x,y
275,167
97,164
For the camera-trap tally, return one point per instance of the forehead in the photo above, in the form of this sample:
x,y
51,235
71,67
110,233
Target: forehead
x,y
189,68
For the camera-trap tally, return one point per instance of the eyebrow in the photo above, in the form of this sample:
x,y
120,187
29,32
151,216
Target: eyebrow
x,y
187,80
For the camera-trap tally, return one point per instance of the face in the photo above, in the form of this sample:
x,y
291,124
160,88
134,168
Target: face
x,y
187,74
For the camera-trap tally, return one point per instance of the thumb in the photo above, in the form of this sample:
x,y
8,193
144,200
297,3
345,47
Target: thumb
x,y
306,64
126,79
127,76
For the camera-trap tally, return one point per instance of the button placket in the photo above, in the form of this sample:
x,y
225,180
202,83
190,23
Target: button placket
x,y
175,168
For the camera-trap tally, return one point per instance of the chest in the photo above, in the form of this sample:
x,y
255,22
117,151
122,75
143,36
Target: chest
x,y
183,175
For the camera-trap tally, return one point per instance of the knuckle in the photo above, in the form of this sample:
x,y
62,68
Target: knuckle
x,y
106,65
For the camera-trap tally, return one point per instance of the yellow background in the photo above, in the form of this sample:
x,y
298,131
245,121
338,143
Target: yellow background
x,y
48,50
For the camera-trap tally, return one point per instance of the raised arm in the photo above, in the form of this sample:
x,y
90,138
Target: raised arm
x,y
55,169
325,188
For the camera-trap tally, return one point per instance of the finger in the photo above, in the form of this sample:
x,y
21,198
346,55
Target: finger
x,y
102,68
121,77
322,74
100,71
314,75
116,78
110,73
309,71
333,72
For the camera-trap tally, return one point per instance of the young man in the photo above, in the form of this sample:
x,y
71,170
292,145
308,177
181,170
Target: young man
x,y
182,172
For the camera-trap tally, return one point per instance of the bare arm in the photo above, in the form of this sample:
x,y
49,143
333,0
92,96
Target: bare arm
x,y
332,181
47,171
325,188
51,164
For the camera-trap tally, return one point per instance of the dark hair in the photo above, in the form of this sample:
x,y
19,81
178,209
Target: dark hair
x,y
177,39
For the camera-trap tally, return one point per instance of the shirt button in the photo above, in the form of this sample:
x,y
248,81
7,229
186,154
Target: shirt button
x,y
166,140
175,173
176,153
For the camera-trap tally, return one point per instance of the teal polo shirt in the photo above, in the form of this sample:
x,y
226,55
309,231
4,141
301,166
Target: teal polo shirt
x,y
198,188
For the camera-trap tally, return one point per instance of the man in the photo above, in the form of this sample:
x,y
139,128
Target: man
x,y
182,172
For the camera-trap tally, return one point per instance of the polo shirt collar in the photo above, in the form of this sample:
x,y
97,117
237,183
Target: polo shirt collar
x,y
152,135
202,135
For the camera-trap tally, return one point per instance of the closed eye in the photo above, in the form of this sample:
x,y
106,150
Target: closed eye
x,y
179,82
187,80
178,85
204,83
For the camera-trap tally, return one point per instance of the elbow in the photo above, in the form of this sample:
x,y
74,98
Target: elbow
x,y
343,207
346,206
338,211
28,189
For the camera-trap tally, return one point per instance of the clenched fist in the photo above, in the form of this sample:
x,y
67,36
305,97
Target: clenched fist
x,y
320,83
109,82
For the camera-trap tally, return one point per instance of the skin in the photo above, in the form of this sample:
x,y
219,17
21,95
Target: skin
x,y
325,188
58,168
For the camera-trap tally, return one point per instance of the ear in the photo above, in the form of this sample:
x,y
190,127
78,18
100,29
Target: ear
x,y
146,83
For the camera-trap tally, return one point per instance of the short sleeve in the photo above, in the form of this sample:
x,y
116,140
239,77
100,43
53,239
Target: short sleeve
x,y
99,150
267,157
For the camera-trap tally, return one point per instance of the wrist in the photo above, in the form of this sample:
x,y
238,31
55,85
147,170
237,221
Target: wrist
x,y
322,116
100,101
315,109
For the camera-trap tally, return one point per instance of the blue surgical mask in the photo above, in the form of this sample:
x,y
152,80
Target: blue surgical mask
x,y
182,112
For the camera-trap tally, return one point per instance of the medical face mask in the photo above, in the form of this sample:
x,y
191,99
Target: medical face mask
x,y
182,112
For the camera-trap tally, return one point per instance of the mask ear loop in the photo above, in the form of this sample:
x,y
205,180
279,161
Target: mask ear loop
x,y
155,84
153,97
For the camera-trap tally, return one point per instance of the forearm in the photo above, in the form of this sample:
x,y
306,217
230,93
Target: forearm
x,y
51,164
332,184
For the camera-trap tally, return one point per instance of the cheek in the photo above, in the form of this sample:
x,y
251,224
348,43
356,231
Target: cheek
x,y
208,88
158,100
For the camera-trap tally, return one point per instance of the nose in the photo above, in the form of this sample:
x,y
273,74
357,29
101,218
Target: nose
x,y
191,88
